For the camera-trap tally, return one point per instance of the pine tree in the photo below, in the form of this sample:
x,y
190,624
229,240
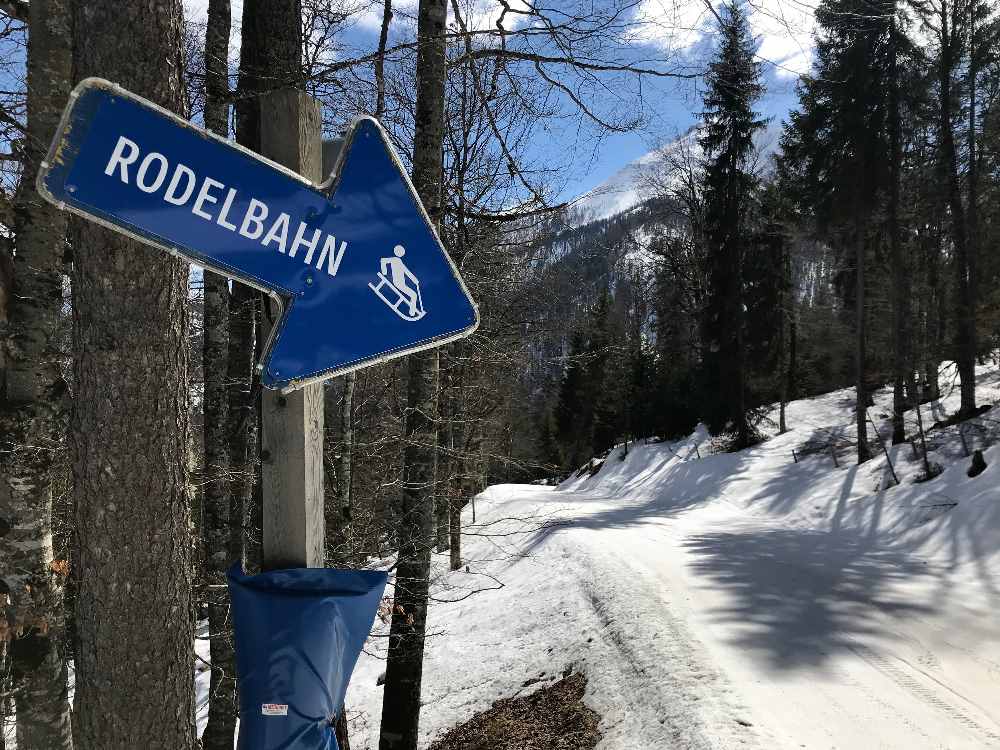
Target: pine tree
x,y
674,407
605,376
837,147
733,87
571,411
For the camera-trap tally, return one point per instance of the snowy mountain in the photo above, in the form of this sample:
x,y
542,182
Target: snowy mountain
x,y
631,185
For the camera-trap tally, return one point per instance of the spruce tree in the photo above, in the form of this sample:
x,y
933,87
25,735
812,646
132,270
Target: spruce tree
x,y
605,377
734,86
571,420
837,148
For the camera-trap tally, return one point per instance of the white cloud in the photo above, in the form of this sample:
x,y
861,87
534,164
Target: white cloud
x,y
478,15
371,18
783,27
484,14
671,25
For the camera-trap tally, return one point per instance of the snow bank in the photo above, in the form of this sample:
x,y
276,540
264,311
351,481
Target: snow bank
x,y
731,600
951,517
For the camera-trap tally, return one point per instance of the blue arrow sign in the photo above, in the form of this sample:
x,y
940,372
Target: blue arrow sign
x,y
355,263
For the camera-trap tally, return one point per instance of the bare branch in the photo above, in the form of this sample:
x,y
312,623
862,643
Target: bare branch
x,y
508,54
16,9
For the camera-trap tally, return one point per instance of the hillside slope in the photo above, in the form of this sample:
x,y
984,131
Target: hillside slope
x,y
734,600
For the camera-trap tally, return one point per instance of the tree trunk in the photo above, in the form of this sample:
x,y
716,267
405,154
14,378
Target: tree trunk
x,y
965,320
219,548
785,299
5,702
32,409
968,355
346,465
131,432
241,423
404,667
442,507
459,434
342,732
900,287
861,404
380,60
934,327
793,343
740,395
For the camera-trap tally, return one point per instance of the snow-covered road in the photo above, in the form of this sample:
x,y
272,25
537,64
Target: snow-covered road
x,y
817,641
738,600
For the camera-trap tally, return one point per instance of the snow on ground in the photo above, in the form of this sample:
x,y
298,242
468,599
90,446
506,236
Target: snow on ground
x,y
730,600
733,600
202,675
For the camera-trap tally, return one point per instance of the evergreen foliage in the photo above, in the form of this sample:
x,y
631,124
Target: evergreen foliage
x,y
734,85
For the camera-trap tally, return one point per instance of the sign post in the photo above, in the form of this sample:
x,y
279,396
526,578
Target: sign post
x,y
292,423
356,275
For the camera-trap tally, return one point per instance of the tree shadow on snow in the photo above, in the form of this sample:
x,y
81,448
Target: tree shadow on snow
x,y
799,596
901,519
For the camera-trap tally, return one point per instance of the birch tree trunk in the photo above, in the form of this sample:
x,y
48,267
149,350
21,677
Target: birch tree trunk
x,y
131,432
404,667
32,409
219,513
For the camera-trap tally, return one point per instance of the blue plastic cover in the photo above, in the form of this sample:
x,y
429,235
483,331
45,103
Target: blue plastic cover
x,y
299,633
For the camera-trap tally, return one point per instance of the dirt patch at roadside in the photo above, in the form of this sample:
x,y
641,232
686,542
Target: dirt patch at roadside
x,y
552,718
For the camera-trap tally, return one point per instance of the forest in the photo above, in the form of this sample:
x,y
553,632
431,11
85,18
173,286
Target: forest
x,y
849,243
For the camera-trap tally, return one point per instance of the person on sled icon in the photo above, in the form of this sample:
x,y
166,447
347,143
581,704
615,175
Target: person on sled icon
x,y
399,288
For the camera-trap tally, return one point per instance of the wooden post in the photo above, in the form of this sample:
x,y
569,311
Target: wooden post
x,y
292,424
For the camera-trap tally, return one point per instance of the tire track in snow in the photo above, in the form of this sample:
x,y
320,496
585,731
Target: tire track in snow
x,y
873,697
903,676
671,672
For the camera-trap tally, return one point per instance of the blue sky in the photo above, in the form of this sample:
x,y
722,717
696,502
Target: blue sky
x,y
679,31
